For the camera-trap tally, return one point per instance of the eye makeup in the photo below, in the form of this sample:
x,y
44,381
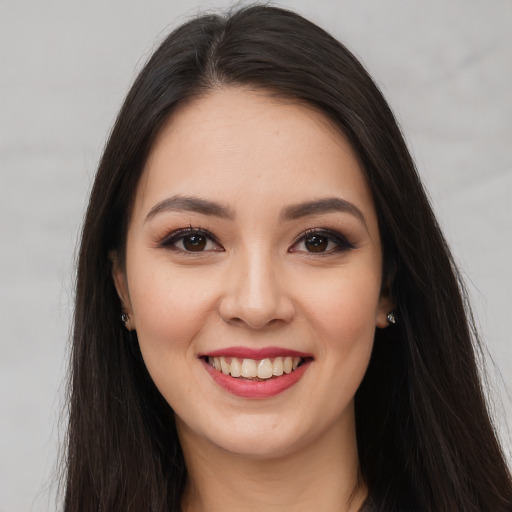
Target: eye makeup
x,y
314,241
193,240
321,241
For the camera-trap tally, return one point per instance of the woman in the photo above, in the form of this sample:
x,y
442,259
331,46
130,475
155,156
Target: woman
x,y
293,333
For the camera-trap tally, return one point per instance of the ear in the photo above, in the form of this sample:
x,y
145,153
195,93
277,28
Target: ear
x,y
121,284
386,301
386,305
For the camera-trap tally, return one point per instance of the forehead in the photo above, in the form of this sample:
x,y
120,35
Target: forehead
x,y
236,142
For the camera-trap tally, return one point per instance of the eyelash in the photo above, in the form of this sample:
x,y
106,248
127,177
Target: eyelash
x,y
341,242
181,234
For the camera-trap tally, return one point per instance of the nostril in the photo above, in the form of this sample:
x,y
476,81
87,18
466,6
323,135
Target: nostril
x,y
254,324
266,316
254,298
233,321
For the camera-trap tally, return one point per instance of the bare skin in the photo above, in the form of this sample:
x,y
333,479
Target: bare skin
x,y
253,226
315,478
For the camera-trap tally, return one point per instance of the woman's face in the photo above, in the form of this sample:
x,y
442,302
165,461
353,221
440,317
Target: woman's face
x,y
253,249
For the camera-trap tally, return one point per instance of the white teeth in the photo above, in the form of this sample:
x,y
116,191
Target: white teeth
x,y
249,368
236,368
224,366
277,367
265,369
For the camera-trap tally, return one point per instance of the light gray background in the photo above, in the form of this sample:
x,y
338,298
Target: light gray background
x,y
445,66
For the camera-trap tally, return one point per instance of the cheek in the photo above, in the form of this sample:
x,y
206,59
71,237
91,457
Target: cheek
x,y
347,303
169,308
170,311
343,315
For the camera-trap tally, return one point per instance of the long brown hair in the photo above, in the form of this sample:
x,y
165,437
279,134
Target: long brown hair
x,y
425,438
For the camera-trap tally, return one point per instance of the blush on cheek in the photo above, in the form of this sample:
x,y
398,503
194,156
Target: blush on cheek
x,y
347,309
349,329
167,330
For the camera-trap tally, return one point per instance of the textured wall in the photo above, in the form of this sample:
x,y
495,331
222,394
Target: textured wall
x,y
445,67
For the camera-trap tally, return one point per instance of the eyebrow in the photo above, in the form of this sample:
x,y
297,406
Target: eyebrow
x,y
319,206
292,212
191,204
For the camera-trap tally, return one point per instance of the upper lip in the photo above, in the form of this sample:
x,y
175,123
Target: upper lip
x,y
255,353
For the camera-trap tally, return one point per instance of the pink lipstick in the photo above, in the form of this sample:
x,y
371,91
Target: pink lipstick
x,y
256,373
258,354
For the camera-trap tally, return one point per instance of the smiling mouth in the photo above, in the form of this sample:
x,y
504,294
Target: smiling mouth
x,y
255,369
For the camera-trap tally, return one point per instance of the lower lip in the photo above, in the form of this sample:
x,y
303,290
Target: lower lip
x,y
257,389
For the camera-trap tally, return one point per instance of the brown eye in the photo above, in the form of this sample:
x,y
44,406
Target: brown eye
x,y
194,242
191,240
316,243
321,242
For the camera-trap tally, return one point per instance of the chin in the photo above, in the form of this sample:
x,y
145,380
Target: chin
x,y
248,435
261,445
255,436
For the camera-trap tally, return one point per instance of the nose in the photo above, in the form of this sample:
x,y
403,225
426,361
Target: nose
x,y
256,294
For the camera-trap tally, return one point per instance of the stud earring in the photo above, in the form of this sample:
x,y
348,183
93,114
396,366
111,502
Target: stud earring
x,y
392,318
125,318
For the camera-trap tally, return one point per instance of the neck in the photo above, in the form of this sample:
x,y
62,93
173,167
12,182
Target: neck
x,y
322,476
